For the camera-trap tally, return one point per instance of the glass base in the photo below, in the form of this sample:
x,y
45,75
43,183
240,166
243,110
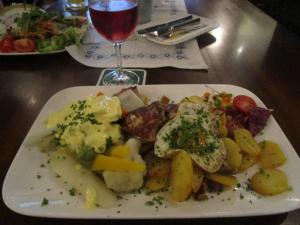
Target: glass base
x,y
127,77
76,6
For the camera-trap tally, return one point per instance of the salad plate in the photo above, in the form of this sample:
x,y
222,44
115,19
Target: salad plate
x,y
45,36
29,180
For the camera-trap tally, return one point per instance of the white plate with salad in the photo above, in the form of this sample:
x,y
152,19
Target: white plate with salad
x,y
93,165
29,30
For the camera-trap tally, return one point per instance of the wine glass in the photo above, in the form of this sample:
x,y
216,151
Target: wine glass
x,y
115,20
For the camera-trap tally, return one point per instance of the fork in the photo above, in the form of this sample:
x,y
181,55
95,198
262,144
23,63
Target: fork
x,y
178,31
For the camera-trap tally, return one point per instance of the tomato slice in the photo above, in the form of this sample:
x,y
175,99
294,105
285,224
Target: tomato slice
x,y
6,44
24,45
243,103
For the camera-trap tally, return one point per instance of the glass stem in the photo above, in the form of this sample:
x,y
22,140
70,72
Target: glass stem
x,y
119,58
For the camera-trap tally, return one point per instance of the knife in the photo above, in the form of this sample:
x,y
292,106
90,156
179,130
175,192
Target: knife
x,y
164,25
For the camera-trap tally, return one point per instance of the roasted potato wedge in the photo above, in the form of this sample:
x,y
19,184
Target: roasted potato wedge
x,y
247,162
193,99
269,182
156,183
246,142
181,176
229,181
197,181
157,167
234,154
271,155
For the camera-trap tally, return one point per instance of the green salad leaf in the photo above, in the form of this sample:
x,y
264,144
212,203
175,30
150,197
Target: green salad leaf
x,y
51,44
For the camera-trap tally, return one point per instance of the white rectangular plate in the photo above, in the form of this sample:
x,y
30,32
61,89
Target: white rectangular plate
x,y
23,192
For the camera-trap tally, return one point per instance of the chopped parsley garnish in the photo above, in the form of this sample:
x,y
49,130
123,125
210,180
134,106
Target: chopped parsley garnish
x,y
157,201
44,202
109,142
149,203
72,191
193,137
241,196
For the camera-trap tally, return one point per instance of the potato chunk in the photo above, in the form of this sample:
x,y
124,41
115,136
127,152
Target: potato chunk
x,y
234,154
197,181
181,176
156,183
157,167
247,162
269,182
229,181
271,155
246,142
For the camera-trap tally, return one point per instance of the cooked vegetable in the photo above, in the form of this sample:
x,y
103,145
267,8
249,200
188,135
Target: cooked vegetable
x,y
222,100
269,182
125,180
246,142
103,162
234,154
197,181
157,167
258,118
156,183
120,151
181,176
271,155
193,99
222,179
81,180
222,129
255,121
130,99
247,162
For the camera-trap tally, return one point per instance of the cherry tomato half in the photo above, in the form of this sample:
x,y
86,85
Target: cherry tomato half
x,y
6,44
24,45
243,103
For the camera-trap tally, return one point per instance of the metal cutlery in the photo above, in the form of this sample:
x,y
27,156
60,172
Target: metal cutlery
x,y
164,25
167,30
181,31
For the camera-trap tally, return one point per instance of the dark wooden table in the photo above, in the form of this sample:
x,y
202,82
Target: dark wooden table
x,y
249,49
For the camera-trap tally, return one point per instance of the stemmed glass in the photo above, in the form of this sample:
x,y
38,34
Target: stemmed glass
x,y
115,20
